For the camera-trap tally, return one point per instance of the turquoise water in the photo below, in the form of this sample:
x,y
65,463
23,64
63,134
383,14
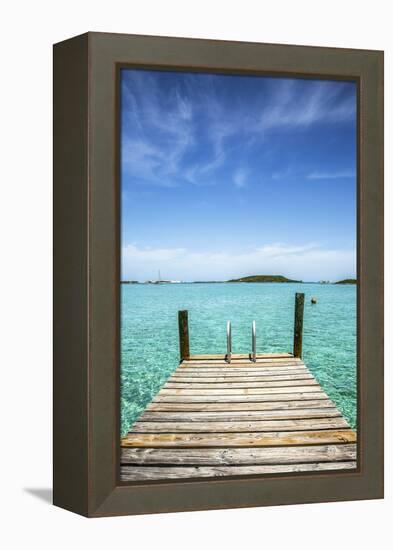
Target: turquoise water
x,y
149,333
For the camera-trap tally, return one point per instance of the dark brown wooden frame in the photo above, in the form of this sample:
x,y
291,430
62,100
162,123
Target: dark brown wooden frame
x,y
86,273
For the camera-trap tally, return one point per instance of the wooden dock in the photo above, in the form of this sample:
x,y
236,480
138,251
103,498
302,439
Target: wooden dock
x,y
261,414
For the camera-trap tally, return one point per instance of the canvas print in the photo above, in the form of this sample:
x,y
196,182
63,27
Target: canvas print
x,y
238,275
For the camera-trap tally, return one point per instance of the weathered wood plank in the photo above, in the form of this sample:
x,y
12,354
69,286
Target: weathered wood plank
x,y
278,355
229,368
238,391
230,416
182,379
260,362
247,439
151,473
239,426
239,456
281,396
242,406
241,364
295,362
172,385
234,371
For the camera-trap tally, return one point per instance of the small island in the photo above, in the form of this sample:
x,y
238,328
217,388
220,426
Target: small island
x,y
263,279
346,282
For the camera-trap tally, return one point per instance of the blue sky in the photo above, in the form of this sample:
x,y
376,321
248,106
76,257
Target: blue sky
x,y
225,176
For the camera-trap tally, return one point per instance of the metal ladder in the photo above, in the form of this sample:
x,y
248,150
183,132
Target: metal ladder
x,y
253,354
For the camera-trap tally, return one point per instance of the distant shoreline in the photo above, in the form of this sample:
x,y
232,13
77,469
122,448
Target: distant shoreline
x,y
247,280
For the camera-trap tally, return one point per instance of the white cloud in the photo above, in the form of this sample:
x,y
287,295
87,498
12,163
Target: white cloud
x,y
331,175
308,262
239,179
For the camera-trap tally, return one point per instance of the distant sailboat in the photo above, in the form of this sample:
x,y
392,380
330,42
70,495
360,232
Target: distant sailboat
x,y
158,282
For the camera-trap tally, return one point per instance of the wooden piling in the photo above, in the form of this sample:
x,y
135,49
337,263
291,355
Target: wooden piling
x,y
298,328
184,336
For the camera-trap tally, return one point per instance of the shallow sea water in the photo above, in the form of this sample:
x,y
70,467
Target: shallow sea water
x,y
149,333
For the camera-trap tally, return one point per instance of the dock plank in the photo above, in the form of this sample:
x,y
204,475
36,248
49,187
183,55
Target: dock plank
x,y
265,363
239,371
239,385
150,473
184,379
246,439
270,396
236,356
241,365
178,387
228,416
239,425
243,406
238,456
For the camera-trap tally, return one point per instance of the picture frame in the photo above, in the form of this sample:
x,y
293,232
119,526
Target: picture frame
x,y
87,273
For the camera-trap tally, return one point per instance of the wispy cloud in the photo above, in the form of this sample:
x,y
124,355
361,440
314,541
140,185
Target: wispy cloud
x,y
188,131
239,179
321,102
307,262
157,130
301,173
345,174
